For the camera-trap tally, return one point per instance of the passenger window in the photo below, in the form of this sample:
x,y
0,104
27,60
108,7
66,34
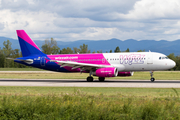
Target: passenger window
x,y
160,58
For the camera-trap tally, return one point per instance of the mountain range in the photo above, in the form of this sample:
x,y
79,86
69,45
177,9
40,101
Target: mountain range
x,y
162,46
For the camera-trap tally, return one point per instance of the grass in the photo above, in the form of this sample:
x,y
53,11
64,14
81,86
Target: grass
x,y
88,103
139,92
159,75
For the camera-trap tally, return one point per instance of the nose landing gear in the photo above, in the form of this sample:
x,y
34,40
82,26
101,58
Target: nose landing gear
x,y
152,78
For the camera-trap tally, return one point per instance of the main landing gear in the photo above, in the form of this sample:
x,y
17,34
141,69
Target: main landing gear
x,y
152,78
101,79
90,78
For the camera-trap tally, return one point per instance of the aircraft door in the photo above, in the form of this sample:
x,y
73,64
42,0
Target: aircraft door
x,y
150,58
43,61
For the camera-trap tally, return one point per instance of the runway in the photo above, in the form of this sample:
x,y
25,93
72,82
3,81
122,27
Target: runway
x,y
84,83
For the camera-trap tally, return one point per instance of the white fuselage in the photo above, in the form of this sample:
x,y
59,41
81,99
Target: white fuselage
x,y
139,61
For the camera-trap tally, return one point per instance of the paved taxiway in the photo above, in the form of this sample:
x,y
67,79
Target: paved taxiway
x,y
96,83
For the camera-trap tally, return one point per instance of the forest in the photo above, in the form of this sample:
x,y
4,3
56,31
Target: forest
x,y
51,47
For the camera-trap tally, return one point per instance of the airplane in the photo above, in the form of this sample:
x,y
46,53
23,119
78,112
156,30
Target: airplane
x,y
101,65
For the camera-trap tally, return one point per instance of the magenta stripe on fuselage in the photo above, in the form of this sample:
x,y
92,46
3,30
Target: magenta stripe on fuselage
x,y
98,59
22,34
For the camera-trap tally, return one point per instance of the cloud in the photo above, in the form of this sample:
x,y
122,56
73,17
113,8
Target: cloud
x,y
70,20
154,9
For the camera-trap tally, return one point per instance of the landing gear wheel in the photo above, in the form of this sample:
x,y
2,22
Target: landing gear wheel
x,y
90,79
101,79
152,79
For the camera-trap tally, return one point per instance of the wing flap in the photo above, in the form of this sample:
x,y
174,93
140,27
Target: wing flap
x,y
76,66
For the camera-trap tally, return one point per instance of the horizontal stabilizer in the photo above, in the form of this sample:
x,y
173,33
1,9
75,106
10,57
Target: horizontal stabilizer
x,y
28,61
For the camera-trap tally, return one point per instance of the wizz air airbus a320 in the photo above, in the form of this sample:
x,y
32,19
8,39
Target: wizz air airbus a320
x,y
96,64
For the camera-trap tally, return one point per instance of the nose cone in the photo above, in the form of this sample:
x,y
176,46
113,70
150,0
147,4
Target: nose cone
x,y
172,64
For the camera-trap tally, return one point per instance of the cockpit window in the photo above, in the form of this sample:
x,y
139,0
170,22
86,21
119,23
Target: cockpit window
x,y
163,58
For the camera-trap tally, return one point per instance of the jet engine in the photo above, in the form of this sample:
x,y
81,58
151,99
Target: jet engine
x,y
106,72
124,74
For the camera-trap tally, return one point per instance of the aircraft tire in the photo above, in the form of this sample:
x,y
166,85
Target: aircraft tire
x,y
90,79
101,79
152,79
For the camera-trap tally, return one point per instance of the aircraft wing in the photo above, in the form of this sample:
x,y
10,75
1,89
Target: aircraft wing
x,y
82,66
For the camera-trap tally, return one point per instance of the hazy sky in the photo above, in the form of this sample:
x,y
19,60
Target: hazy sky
x,y
70,20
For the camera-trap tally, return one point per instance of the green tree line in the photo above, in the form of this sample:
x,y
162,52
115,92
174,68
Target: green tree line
x,y
51,47
7,52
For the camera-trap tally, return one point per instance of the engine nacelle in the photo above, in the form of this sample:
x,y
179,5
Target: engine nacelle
x,y
124,74
106,72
